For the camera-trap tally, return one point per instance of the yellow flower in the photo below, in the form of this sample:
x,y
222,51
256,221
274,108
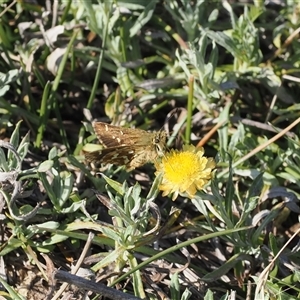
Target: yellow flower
x,y
184,171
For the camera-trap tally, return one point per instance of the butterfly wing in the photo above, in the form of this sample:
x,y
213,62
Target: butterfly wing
x,y
109,155
114,136
126,146
123,155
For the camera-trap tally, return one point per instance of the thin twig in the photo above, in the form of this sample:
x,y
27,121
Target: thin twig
x,y
77,266
89,285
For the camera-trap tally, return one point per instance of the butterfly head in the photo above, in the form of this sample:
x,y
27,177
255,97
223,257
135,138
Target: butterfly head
x,y
159,142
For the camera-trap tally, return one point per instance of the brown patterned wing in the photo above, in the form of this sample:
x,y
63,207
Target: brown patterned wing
x,y
126,146
109,155
114,136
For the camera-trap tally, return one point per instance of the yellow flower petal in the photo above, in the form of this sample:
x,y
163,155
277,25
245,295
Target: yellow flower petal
x,y
184,171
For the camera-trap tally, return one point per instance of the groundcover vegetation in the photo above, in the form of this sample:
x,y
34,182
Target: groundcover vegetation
x,y
215,212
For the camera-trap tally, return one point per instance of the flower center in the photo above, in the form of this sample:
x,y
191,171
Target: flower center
x,y
182,167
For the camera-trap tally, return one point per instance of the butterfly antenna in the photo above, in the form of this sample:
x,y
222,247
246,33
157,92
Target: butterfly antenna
x,y
169,116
